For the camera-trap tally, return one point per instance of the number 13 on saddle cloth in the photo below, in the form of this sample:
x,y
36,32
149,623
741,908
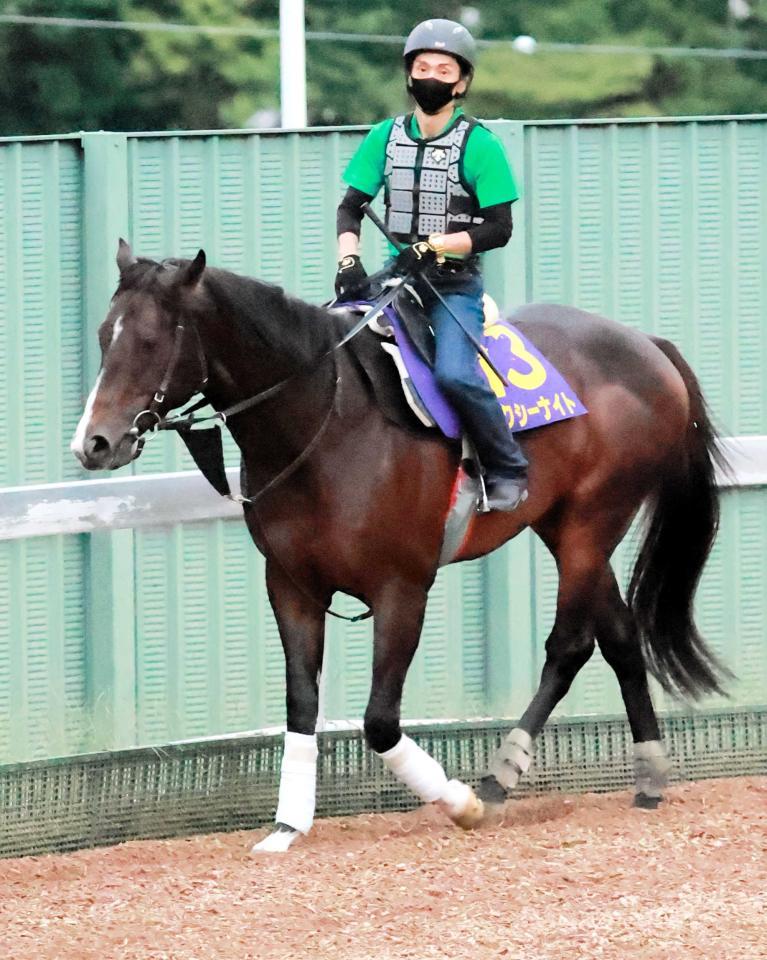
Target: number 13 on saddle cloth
x,y
534,395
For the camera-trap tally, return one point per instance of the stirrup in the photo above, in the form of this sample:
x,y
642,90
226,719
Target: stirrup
x,y
482,504
510,499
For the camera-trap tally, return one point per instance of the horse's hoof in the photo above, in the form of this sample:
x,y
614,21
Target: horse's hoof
x,y
279,841
491,792
643,802
462,805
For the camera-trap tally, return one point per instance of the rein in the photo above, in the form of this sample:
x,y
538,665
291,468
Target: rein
x,y
185,418
206,447
212,466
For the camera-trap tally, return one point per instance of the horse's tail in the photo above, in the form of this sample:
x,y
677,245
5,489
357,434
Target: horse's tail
x,y
682,520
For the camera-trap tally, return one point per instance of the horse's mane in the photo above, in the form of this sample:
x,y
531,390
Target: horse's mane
x,y
262,312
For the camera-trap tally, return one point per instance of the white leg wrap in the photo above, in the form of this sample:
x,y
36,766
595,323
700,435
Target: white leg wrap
x,y
416,769
456,797
513,758
298,782
651,767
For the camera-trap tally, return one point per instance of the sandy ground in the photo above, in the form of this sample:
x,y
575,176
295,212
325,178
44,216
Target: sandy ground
x,y
558,878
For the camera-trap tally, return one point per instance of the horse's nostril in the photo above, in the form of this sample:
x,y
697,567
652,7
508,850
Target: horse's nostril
x,y
96,445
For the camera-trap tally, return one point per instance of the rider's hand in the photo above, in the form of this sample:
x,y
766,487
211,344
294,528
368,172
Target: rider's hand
x,y
350,278
415,258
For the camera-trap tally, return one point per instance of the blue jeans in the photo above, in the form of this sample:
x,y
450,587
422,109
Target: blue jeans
x,y
458,373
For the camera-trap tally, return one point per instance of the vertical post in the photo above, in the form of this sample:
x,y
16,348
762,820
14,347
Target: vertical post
x,y
510,601
292,64
505,270
110,589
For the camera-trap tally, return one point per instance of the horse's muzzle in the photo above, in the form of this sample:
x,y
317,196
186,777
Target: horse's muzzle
x,y
97,452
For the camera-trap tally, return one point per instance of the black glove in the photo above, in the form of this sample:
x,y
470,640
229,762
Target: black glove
x,y
350,278
415,259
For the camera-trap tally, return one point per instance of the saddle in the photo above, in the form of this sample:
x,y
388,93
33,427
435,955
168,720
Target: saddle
x,y
531,394
530,390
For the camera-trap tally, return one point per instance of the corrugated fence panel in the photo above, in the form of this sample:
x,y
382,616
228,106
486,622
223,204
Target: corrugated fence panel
x,y
348,662
276,219
709,352
733,597
662,226
747,145
165,198
43,668
43,708
288,188
751,660
40,310
445,674
208,654
471,651
673,273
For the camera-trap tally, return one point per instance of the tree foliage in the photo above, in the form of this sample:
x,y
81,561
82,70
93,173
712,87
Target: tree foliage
x,y
55,79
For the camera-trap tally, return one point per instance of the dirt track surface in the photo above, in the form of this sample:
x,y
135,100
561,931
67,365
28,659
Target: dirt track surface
x,y
559,878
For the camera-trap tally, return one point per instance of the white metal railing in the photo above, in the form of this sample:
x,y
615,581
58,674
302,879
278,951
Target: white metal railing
x,y
165,499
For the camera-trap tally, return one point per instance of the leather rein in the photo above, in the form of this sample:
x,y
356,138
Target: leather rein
x,y
206,447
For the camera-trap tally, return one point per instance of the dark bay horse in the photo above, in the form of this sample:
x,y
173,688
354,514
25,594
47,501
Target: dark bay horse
x,y
362,508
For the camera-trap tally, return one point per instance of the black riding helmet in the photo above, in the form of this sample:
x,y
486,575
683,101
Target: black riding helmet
x,y
442,36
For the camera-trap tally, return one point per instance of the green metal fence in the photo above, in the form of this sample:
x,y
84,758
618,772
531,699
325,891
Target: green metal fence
x,y
231,784
114,639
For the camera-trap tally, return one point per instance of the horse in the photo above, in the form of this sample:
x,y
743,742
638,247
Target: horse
x,y
330,483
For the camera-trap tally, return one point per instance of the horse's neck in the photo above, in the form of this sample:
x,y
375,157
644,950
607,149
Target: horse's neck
x,y
268,320
249,354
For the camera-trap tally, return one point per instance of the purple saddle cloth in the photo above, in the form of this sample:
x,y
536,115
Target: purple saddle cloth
x,y
536,393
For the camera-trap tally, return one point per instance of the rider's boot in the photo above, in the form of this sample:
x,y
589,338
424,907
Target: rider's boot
x,y
506,493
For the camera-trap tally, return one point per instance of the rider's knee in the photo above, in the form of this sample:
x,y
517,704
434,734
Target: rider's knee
x,y
453,383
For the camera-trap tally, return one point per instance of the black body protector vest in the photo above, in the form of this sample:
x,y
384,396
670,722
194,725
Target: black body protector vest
x,y
425,190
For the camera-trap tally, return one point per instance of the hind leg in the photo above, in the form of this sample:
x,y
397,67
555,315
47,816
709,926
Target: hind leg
x,y
618,640
580,560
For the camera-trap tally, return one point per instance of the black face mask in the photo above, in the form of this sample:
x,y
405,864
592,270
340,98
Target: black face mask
x,y
431,95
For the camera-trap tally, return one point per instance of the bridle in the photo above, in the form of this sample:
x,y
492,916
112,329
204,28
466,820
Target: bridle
x,y
185,420
152,411
214,473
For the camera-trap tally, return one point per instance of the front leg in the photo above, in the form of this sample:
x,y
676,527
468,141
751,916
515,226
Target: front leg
x,y
301,622
399,612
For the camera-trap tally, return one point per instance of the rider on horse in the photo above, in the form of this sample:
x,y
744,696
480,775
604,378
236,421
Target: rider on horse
x,y
448,194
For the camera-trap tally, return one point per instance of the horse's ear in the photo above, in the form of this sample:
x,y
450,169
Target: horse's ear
x,y
125,256
193,271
